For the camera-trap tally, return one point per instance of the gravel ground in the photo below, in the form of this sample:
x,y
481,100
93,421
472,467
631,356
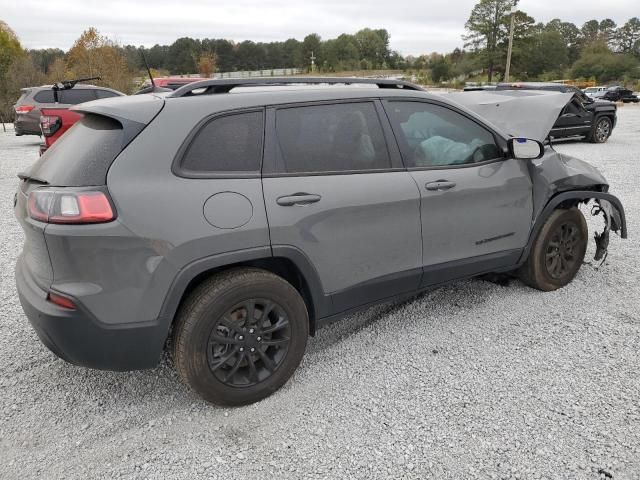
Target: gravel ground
x,y
474,380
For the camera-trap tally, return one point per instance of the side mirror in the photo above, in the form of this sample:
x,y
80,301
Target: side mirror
x,y
525,148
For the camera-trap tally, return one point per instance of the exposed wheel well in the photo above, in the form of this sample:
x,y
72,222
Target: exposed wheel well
x,y
281,266
609,115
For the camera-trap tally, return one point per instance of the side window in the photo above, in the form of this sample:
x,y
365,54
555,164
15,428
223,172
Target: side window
x,y
431,136
106,94
331,138
574,107
76,96
231,143
45,96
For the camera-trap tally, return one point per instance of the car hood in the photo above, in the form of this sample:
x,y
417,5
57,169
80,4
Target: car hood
x,y
518,113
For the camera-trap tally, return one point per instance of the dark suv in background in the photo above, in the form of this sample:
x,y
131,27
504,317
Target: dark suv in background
x,y
236,221
620,94
33,99
583,117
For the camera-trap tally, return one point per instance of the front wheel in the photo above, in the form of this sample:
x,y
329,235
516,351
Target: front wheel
x,y
557,252
239,336
601,130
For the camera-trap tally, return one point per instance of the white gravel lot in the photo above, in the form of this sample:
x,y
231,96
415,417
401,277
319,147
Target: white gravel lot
x,y
474,380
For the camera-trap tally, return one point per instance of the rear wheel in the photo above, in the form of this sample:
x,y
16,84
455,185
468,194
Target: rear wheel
x,y
239,336
557,252
601,130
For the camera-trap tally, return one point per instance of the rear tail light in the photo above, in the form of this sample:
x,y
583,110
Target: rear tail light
x,y
64,206
24,108
50,124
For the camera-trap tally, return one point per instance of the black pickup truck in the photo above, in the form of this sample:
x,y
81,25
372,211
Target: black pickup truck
x,y
583,117
620,94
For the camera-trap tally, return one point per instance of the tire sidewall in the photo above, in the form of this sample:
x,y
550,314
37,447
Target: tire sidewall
x,y
539,267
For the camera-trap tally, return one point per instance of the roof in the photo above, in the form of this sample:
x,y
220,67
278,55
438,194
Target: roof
x,y
274,95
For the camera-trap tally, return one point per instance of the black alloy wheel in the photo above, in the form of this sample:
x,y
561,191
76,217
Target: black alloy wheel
x,y
602,130
248,344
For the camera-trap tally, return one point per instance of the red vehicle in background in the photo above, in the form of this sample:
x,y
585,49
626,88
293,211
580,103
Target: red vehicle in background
x,y
55,121
172,83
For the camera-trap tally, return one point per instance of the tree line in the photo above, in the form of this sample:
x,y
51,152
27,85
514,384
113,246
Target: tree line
x,y
367,49
598,50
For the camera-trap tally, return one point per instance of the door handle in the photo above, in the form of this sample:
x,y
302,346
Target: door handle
x,y
298,199
440,185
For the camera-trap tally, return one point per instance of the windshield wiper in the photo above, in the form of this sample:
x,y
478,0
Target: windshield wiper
x,y
25,176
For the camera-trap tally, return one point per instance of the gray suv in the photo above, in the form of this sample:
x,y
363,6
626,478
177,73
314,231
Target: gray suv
x,y
33,99
230,223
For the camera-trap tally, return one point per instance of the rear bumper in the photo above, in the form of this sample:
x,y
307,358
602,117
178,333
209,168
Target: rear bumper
x,y
25,126
78,338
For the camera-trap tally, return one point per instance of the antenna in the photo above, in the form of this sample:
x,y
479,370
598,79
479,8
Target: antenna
x,y
144,59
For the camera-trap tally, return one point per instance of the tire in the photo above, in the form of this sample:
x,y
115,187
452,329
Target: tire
x,y
216,339
601,130
567,229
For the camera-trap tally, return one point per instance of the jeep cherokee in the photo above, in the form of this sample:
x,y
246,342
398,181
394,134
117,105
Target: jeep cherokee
x,y
230,223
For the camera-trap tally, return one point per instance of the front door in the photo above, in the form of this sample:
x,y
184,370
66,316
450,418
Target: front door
x,y
574,120
476,203
333,192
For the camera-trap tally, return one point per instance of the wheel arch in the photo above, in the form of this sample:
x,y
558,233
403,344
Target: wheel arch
x,y
286,262
571,199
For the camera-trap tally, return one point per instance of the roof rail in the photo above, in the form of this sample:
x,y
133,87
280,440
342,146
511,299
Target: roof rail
x,y
208,87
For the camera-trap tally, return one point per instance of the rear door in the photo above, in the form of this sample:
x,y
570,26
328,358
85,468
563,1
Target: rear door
x,y
335,193
476,203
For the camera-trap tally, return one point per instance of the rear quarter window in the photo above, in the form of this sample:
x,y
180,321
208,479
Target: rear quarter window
x,y
226,144
23,96
45,96
83,155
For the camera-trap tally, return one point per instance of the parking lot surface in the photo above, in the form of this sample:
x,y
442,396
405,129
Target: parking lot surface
x,y
473,380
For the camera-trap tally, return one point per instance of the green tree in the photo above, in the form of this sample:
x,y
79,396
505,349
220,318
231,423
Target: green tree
x,y
598,61
487,31
440,68
570,35
157,56
590,31
341,53
627,38
607,30
292,53
548,53
182,56
312,44
373,46
43,58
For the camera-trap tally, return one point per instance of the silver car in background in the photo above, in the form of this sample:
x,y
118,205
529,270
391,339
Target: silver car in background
x,y
33,99
595,92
